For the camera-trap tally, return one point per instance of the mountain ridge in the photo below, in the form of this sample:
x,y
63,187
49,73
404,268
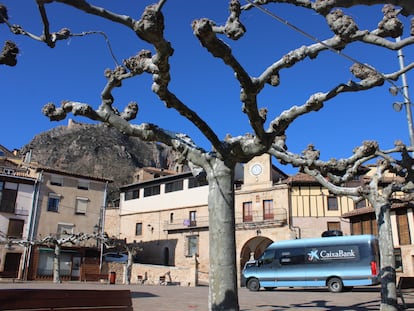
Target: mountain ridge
x,y
97,150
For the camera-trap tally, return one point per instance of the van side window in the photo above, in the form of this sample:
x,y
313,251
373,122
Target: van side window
x,y
267,257
293,256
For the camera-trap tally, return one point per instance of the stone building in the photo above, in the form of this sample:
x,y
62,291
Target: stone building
x,y
169,217
37,202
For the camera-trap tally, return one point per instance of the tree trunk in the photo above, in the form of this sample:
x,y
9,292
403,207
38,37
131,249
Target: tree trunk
x,y
128,271
386,247
223,272
56,264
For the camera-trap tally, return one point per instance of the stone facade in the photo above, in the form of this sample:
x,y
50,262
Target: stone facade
x,y
169,216
38,202
172,223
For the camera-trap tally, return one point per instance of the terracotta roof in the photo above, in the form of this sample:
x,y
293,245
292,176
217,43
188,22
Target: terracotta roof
x,y
369,209
61,172
358,211
301,178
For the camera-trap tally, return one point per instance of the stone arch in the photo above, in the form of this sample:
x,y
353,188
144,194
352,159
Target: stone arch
x,y
253,248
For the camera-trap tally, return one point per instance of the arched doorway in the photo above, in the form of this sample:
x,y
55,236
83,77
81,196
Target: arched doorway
x,y
252,249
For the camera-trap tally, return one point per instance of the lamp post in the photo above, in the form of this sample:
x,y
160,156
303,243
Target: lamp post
x,y
397,106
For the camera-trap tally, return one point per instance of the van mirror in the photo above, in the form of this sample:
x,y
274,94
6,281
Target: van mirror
x,y
259,262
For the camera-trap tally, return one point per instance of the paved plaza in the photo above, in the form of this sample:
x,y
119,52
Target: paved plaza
x,y
178,298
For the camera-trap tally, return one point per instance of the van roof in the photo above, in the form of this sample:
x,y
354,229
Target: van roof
x,y
323,241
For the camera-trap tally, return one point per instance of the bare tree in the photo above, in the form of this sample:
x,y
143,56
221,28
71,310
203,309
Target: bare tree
x,y
56,241
218,164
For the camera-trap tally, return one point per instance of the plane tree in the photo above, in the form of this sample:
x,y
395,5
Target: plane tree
x,y
56,241
268,129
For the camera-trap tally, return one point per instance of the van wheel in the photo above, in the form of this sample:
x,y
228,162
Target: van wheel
x,y
335,285
253,285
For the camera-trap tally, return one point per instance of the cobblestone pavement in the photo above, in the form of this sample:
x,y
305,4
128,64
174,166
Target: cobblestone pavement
x,y
176,298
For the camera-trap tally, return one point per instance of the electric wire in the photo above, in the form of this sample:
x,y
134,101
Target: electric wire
x,y
315,39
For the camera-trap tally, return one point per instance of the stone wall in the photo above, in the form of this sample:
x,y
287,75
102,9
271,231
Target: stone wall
x,y
151,274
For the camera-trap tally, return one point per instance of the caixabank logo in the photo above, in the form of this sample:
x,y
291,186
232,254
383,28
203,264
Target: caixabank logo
x,y
332,253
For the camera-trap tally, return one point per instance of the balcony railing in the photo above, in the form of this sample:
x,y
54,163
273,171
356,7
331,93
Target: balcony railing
x,y
254,221
15,171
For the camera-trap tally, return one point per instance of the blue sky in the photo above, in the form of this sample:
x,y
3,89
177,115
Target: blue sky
x,y
74,71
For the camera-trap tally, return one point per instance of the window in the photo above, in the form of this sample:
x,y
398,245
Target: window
x,y
193,220
171,218
268,209
365,224
8,195
151,190
403,227
56,180
192,245
247,211
138,228
174,186
15,229
194,182
333,225
64,230
398,260
83,184
361,204
292,256
132,194
332,203
81,205
53,202
267,257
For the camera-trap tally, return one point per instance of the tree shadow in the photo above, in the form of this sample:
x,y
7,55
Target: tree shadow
x,y
321,305
228,302
142,295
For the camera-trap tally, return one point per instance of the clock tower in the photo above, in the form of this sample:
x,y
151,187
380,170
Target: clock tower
x,y
258,170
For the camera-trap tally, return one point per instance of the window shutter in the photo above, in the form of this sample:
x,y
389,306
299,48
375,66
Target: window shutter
x,y
81,205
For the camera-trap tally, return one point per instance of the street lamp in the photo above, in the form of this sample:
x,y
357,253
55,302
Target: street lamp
x,y
397,106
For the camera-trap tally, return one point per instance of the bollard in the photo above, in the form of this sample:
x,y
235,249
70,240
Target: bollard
x,y
112,277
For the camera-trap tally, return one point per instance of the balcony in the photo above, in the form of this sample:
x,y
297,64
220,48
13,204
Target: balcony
x,y
255,221
186,224
277,218
15,171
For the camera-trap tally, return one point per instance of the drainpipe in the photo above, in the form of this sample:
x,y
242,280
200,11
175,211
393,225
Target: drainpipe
x,y
103,208
32,223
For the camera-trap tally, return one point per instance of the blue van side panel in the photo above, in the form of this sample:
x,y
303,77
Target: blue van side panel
x,y
353,272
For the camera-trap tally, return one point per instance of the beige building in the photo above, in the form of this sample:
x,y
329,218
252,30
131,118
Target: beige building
x,y
314,209
16,199
169,216
37,202
66,204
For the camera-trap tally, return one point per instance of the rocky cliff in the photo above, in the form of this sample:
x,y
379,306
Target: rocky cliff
x,y
97,150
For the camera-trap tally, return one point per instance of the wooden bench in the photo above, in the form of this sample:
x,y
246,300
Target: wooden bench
x,y
65,300
95,277
405,284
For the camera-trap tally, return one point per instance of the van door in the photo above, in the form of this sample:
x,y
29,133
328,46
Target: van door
x,y
291,267
267,268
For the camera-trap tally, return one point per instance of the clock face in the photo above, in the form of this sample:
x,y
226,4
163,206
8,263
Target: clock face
x,y
256,169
